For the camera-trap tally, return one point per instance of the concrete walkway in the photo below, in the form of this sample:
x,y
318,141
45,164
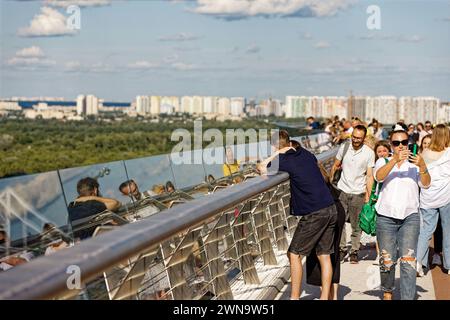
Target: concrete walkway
x,y
361,281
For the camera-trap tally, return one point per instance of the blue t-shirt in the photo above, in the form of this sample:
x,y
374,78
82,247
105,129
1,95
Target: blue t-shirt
x,y
309,192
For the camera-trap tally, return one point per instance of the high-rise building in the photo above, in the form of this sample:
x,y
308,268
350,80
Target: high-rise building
x,y
81,105
210,104
418,109
186,104
382,108
155,105
335,106
237,106
143,105
224,106
357,107
91,105
298,107
318,107
170,104
444,113
197,105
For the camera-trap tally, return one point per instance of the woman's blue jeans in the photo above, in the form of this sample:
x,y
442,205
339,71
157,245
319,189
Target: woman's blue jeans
x,y
398,239
429,221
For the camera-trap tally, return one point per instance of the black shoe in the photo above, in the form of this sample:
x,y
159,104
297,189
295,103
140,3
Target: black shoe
x,y
342,255
354,257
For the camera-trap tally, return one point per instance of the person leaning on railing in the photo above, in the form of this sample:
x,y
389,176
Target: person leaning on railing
x,y
397,214
311,199
88,204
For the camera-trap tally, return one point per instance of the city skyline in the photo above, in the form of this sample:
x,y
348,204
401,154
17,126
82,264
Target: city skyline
x,y
177,48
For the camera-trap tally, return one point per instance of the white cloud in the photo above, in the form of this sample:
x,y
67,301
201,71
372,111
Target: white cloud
x,y
80,3
398,38
253,49
73,66
143,65
238,9
182,66
321,45
30,59
97,67
182,36
30,52
48,23
29,63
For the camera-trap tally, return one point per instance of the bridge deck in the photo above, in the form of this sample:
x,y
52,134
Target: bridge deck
x,y
358,281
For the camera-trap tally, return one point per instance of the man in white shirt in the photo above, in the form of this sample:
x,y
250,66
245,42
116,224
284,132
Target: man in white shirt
x,y
356,161
398,220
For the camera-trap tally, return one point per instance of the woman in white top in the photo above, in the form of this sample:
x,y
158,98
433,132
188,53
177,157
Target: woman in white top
x,y
435,201
397,215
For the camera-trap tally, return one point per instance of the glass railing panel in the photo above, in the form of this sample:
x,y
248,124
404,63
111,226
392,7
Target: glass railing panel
x,y
153,180
27,205
85,217
188,169
213,161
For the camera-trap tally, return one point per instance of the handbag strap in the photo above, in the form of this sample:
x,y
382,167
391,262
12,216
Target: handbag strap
x,y
374,186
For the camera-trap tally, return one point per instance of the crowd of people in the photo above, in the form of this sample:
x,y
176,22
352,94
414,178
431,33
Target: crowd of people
x,y
409,165
412,188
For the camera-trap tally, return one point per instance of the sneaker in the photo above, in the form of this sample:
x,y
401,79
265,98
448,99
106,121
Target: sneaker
x,y
436,260
354,257
342,255
419,270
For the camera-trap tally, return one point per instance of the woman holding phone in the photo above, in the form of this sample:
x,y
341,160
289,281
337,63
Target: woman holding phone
x,y
398,220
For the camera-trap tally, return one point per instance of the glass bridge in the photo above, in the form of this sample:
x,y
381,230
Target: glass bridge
x,y
215,236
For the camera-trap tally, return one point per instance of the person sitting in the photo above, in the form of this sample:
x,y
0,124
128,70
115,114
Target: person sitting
x,y
170,187
89,203
55,239
9,261
130,188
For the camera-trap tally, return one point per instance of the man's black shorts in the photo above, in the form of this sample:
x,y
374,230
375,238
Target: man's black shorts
x,y
315,231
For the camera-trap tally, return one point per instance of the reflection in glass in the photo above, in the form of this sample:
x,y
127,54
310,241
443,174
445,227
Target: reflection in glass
x,y
109,176
213,159
188,168
149,178
28,203
150,172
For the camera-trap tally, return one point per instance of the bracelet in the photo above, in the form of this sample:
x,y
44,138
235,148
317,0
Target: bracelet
x,y
424,172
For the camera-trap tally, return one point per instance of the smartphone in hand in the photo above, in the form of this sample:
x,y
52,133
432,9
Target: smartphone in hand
x,y
413,148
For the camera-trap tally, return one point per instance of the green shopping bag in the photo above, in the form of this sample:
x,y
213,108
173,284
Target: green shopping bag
x,y
368,214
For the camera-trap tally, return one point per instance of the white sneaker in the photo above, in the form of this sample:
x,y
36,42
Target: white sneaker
x,y
437,261
419,270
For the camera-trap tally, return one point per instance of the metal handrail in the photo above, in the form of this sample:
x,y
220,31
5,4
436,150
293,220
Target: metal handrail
x,y
46,277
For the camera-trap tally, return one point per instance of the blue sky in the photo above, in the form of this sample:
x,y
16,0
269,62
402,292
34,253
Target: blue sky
x,y
226,48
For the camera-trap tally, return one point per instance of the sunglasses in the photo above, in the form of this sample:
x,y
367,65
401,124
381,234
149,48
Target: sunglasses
x,y
396,143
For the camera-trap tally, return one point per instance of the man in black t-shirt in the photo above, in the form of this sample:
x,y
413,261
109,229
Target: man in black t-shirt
x,y
88,204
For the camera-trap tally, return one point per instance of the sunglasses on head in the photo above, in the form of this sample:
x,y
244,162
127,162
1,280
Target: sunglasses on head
x,y
396,143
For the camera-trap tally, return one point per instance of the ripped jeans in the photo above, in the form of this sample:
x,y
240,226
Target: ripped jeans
x,y
402,235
